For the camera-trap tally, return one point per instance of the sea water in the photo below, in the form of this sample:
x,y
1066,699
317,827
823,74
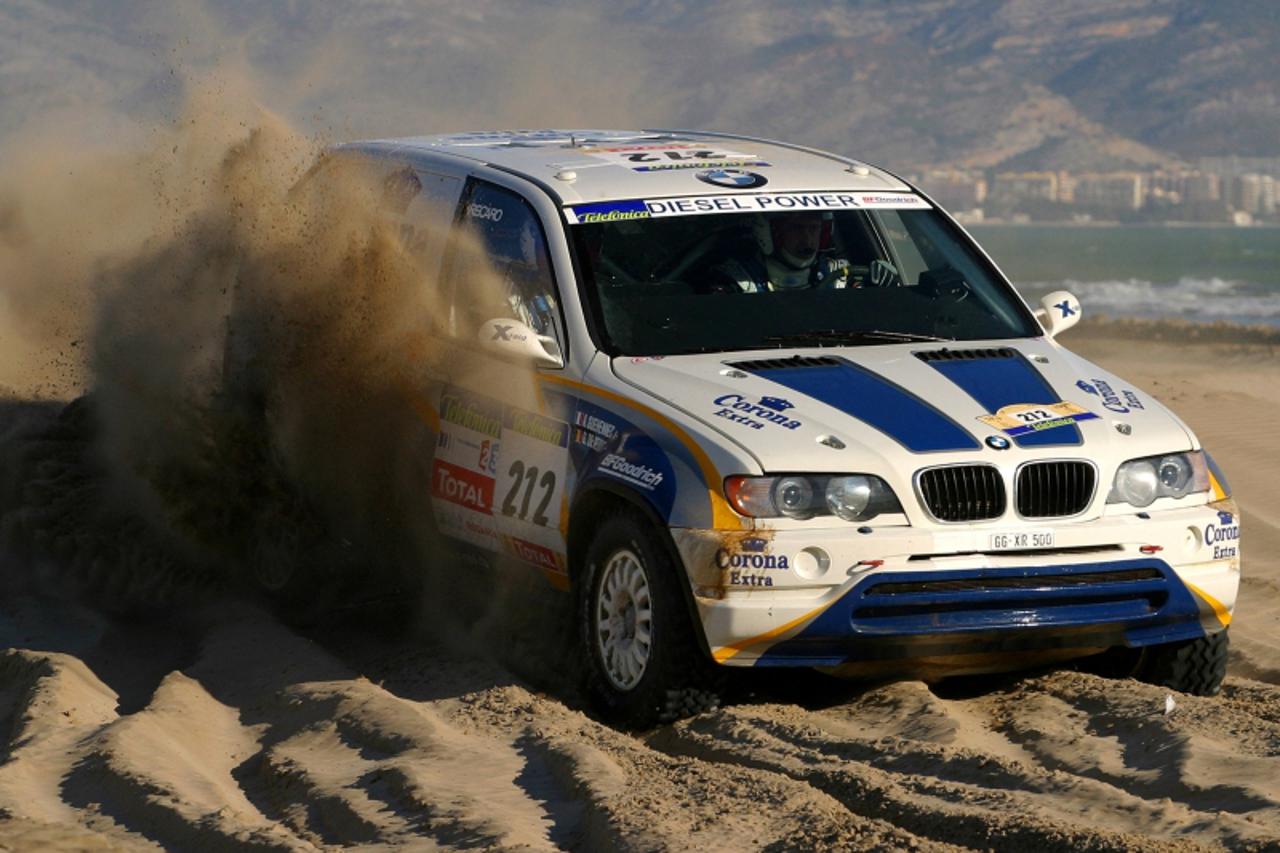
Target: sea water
x,y
1197,273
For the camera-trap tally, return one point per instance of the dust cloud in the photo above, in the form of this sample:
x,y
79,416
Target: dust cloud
x,y
257,349
152,223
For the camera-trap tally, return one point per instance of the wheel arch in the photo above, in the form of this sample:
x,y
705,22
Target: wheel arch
x,y
597,502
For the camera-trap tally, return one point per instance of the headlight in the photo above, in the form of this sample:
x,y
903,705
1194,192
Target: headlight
x,y
793,496
852,497
848,497
1175,475
1172,475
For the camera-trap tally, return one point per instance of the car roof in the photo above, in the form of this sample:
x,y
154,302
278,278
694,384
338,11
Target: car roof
x,y
586,165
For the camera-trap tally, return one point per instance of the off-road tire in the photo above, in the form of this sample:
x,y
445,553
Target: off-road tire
x,y
1192,666
678,680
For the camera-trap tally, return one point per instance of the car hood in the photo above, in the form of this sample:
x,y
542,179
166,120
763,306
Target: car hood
x,y
874,408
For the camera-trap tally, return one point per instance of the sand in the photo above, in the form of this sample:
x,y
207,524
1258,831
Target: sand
x,y
210,725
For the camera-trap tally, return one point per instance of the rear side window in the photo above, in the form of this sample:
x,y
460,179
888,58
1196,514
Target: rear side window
x,y
420,205
499,265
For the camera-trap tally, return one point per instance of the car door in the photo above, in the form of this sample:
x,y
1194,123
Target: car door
x,y
498,476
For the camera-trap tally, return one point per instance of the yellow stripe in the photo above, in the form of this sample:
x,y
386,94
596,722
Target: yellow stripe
x,y
1219,610
564,515
1218,492
424,410
722,516
559,580
724,653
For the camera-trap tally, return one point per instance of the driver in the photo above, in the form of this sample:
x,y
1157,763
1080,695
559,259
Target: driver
x,y
785,254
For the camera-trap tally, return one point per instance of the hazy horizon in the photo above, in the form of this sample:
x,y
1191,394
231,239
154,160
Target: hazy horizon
x,y
1011,85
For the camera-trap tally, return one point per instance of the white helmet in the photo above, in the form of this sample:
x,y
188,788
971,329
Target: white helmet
x,y
764,229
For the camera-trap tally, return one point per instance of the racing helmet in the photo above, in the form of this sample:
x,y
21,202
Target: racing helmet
x,y
765,229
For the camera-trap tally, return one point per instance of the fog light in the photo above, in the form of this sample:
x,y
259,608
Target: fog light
x,y
811,563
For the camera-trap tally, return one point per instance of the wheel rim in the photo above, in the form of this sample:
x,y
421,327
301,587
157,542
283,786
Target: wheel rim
x,y
624,619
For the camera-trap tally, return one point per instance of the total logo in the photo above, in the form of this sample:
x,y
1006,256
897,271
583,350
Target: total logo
x,y
462,487
531,552
736,179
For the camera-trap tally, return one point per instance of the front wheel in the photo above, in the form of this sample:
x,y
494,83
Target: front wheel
x,y
644,665
1192,666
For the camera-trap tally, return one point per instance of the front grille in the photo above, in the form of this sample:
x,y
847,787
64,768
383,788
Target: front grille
x,y
1037,581
1054,489
1101,595
963,492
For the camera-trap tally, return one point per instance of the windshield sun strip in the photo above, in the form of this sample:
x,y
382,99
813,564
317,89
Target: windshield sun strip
x,y
620,210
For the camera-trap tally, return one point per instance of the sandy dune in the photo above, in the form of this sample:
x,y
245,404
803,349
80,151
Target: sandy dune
x,y
213,726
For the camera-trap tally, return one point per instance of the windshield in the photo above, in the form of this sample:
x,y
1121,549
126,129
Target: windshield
x,y
665,285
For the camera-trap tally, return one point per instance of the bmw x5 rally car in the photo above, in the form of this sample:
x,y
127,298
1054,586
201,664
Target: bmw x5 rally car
x,y
791,415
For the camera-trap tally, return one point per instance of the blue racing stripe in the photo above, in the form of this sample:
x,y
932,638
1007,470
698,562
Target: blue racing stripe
x,y
871,398
1008,381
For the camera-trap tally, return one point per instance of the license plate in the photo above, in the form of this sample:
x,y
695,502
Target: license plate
x,y
1021,539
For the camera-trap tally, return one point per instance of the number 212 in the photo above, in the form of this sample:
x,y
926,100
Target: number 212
x,y
527,477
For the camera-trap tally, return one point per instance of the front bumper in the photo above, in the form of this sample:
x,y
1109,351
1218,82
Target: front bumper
x,y
902,596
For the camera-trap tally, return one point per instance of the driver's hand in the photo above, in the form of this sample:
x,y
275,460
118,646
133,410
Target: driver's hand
x,y
832,273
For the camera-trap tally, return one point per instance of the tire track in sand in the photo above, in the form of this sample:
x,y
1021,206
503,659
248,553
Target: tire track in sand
x,y
1066,761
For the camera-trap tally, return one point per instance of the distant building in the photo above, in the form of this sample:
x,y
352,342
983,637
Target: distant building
x,y
955,190
1253,194
1110,190
1026,186
1199,187
1214,192
1233,166
1167,188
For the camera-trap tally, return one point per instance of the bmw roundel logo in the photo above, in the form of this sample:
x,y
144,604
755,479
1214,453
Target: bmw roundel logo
x,y
997,442
733,178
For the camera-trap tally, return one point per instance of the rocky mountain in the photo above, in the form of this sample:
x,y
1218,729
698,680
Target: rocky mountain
x,y
981,83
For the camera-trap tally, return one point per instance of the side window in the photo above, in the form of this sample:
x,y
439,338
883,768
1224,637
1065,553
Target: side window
x,y
499,265
421,205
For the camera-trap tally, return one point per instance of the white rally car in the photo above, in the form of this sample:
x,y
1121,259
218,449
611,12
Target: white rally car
x,y
855,449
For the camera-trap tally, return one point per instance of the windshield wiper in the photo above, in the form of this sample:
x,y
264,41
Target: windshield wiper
x,y
847,337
